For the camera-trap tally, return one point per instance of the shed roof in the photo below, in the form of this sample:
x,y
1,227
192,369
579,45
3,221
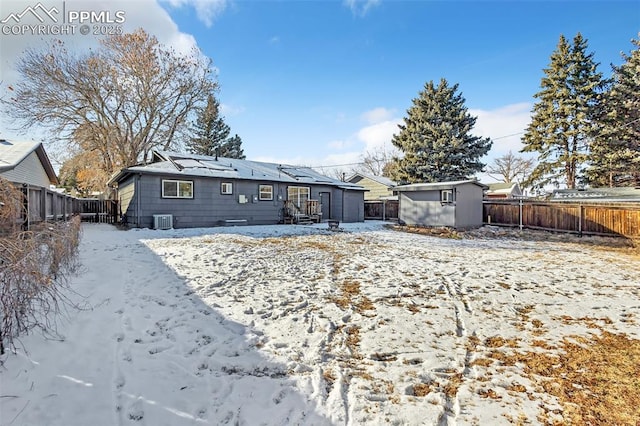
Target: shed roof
x,y
436,186
192,165
13,153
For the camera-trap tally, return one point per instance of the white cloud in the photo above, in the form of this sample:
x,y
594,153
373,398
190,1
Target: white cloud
x,y
504,125
207,10
230,110
340,144
378,135
377,115
361,7
274,40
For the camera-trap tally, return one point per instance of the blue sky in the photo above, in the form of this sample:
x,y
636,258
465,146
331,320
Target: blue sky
x,y
306,80
321,82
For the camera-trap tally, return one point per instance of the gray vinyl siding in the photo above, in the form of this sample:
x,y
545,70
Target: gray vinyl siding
x,y
29,171
353,206
425,208
209,207
126,194
468,206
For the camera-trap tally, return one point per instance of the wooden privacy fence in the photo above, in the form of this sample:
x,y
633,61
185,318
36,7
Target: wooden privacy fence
x,y
579,218
46,205
42,204
96,210
381,209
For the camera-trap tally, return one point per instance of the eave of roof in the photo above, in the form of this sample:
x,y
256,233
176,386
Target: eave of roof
x,y
19,150
433,186
379,179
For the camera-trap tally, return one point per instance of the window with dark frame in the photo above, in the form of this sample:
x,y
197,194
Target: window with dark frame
x,y
265,192
226,188
177,188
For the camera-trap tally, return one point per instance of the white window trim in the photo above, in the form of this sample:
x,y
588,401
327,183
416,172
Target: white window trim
x,y
177,182
260,197
299,187
446,196
225,191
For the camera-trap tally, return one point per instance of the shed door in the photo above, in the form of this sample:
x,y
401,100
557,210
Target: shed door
x,y
325,200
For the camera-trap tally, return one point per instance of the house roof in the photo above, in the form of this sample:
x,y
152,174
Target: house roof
x,y
598,194
13,153
379,179
435,186
192,165
503,187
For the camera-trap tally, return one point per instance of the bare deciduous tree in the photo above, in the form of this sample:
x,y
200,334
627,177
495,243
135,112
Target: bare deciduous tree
x,y
511,168
376,162
122,100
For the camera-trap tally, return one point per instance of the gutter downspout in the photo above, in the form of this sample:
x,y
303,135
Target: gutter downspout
x,y
138,206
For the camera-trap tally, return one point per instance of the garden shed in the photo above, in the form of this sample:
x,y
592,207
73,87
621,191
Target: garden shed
x,y
456,204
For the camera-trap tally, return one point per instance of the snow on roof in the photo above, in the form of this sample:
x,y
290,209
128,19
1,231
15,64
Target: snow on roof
x,y
173,163
380,179
437,185
598,194
13,153
503,188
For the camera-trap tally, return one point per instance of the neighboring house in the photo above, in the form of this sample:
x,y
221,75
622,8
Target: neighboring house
x,y
378,187
598,195
453,204
26,163
203,191
503,190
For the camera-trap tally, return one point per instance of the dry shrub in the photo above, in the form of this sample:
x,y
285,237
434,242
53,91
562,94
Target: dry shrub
x,y
34,270
11,208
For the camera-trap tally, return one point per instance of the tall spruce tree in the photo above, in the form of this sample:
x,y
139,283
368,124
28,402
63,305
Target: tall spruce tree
x,y
615,151
564,118
435,138
210,134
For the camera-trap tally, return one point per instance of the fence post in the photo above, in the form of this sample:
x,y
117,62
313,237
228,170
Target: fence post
x,y
520,204
580,216
26,215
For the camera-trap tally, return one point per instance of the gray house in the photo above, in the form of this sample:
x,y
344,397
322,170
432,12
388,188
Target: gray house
x,y
503,190
187,190
453,204
26,163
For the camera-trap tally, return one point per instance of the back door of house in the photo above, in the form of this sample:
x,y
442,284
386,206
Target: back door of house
x,y
325,200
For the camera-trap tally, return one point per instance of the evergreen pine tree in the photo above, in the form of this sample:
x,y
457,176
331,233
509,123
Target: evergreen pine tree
x,y
232,148
210,134
563,119
435,138
615,151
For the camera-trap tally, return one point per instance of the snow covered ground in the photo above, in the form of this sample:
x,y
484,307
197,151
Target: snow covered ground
x,y
287,324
